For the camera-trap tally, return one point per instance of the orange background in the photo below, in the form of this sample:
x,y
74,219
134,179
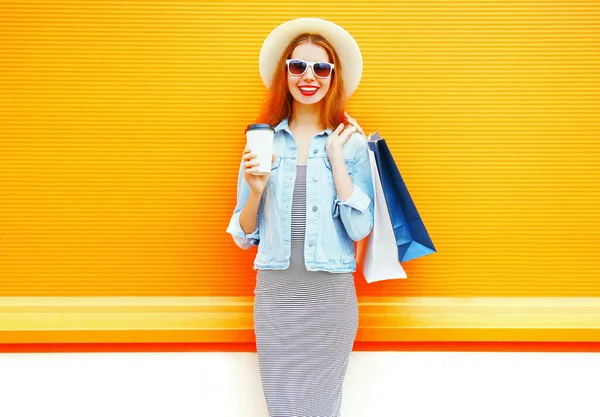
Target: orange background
x,y
122,127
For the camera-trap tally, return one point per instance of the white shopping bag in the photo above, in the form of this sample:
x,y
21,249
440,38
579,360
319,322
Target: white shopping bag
x,y
377,254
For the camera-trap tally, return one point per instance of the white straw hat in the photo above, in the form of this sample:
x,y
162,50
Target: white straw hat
x,y
344,44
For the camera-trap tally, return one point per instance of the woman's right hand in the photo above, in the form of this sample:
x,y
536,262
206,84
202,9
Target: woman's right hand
x,y
257,183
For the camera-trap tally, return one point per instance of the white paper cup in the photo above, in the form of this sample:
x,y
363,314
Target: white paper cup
x,y
259,139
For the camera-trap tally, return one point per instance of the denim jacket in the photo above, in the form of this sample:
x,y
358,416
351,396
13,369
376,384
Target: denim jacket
x,y
332,225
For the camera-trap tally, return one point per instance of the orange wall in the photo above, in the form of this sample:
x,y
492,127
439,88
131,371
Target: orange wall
x,y
122,127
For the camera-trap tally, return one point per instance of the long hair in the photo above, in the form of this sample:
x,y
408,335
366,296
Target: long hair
x,y
278,104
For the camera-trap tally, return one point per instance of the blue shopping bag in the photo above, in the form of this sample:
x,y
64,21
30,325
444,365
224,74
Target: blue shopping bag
x,y
412,238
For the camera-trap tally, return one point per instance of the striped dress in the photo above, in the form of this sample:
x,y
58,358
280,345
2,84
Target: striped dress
x,y
305,324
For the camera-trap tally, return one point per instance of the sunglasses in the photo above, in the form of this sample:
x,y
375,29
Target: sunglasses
x,y
298,67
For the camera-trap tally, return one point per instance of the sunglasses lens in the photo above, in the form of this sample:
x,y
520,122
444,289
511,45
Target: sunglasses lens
x,y
322,69
297,67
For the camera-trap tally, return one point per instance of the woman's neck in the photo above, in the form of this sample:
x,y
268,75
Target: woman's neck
x,y
306,116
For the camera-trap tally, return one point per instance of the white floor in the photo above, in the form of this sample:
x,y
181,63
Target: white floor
x,y
407,384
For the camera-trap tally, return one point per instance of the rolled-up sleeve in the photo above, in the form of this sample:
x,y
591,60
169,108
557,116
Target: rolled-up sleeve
x,y
243,240
357,211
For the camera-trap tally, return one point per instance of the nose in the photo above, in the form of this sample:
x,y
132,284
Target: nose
x,y
309,74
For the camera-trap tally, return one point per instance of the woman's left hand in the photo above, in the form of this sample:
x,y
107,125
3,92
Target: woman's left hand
x,y
338,138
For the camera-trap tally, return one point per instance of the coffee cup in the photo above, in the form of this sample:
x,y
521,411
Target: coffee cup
x,y
259,139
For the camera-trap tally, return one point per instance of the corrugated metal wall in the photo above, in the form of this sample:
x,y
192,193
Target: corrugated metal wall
x,y
122,127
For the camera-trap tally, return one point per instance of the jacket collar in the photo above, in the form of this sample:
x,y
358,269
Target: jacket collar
x,y
284,125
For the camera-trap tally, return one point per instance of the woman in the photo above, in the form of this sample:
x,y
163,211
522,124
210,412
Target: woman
x,y
305,217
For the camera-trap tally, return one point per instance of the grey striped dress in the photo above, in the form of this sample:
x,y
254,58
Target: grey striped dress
x,y
305,324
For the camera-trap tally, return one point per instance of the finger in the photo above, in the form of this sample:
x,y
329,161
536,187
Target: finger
x,y
352,121
349,130
339,129
347,133
249,156
358,128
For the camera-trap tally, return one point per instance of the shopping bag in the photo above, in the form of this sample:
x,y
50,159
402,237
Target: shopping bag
x,y
412,239
377,254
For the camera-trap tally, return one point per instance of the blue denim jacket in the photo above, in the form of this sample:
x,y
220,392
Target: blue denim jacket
x,y
332,225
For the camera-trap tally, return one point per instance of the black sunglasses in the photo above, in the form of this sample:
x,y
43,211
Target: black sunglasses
x,y
298,67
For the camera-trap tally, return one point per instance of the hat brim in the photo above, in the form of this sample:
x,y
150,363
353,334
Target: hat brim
x,y
344,44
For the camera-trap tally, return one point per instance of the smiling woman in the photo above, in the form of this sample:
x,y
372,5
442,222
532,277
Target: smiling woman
x,y
308,62
318,202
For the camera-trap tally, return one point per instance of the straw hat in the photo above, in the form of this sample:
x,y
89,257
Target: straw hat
x,y
343,43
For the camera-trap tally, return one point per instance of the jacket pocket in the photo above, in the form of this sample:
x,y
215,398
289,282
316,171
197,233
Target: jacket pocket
x,y
345,243
274,171
349,163
276,163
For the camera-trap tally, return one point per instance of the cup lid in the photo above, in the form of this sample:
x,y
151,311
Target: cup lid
x,y
258,126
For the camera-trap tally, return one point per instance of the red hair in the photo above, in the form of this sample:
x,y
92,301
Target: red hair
x,y
278,104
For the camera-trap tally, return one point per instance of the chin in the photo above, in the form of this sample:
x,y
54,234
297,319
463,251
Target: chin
x,y
309,100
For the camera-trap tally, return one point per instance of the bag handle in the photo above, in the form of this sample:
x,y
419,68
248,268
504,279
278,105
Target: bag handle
x,y
353,122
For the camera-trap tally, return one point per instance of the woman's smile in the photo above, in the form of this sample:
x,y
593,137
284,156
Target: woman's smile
x,y
308,91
